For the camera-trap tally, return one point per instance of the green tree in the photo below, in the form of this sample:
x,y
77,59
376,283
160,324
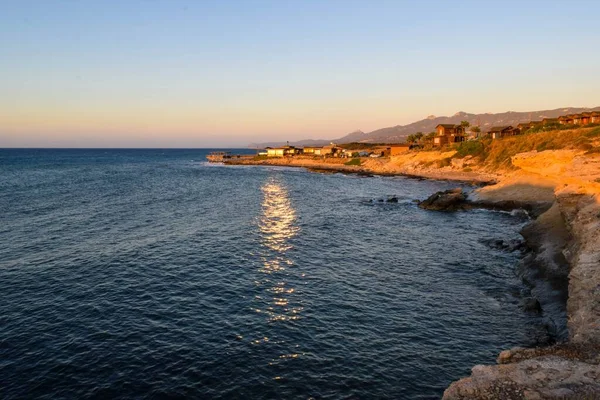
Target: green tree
x,y
429,137
475,129
419,135
465,124
411,139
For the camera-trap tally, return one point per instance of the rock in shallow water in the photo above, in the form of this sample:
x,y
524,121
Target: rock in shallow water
x,y
504,245
449,200
531,304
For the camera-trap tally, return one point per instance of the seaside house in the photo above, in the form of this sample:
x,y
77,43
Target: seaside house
x,y
312,150
347,153
547,121
523,126
331,150
274,151
497,132
397,149
586,118
565,120
282,151
448,133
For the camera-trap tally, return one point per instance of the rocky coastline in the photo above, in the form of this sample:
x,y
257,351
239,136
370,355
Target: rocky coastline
x,y
565,243
376,166
561,193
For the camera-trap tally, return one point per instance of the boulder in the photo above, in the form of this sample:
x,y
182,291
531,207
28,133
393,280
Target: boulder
x,y
449,200
531,304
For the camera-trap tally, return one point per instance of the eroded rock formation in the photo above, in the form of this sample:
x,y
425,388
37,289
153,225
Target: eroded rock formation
x,y
570,370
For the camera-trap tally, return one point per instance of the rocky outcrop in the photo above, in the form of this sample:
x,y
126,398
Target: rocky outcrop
x,y
570,370
582,214
547,377
456,199
545,269
449,200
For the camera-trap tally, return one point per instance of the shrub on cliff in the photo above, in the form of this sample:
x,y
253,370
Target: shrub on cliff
x,y
444,162
500,151
594,133
354,161
474,148
497,154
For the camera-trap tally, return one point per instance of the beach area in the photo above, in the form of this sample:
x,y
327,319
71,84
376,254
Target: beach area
x,y
561,191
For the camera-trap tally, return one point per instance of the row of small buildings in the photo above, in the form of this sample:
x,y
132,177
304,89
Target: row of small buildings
x,y
286,151
585,118
332,151
450,133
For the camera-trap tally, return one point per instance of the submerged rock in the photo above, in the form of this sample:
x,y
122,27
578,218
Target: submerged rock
x,y
392,200
449,200
505,245
531,304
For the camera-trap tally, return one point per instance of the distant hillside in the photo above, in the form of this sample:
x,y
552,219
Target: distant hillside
x,y
399,133
396,134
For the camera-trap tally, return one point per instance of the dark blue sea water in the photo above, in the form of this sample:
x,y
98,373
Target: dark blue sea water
x,y
152,274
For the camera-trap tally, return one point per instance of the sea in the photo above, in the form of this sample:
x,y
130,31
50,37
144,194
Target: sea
x,y
151,274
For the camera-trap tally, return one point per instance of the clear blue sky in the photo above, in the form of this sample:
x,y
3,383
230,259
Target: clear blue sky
x,y
197,73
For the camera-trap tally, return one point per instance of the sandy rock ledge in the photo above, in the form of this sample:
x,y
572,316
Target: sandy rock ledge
x,y
547,377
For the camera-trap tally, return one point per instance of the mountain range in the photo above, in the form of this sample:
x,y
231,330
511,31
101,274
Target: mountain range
x,y
399,133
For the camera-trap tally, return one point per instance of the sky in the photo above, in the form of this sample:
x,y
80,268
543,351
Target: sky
x,y
176,73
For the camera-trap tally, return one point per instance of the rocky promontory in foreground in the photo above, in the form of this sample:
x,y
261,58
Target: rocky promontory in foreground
x,y
565,239
555,176
566,243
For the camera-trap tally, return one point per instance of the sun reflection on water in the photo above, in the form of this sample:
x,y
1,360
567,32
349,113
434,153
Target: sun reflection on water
x,y
277,225
278,218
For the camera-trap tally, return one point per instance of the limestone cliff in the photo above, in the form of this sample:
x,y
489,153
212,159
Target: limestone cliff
x,y
569,231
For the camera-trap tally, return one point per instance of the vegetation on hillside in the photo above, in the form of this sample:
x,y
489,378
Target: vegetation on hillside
x,y
354,161
497,153
414,138
554,127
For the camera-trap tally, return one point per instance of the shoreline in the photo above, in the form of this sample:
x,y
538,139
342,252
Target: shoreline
x,y
565,248
372,167
564,238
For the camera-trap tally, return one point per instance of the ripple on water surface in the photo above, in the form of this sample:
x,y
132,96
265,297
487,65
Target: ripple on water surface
x,y
150,274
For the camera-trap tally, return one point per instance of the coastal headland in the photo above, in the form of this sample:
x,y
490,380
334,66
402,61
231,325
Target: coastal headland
x,y
556,177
